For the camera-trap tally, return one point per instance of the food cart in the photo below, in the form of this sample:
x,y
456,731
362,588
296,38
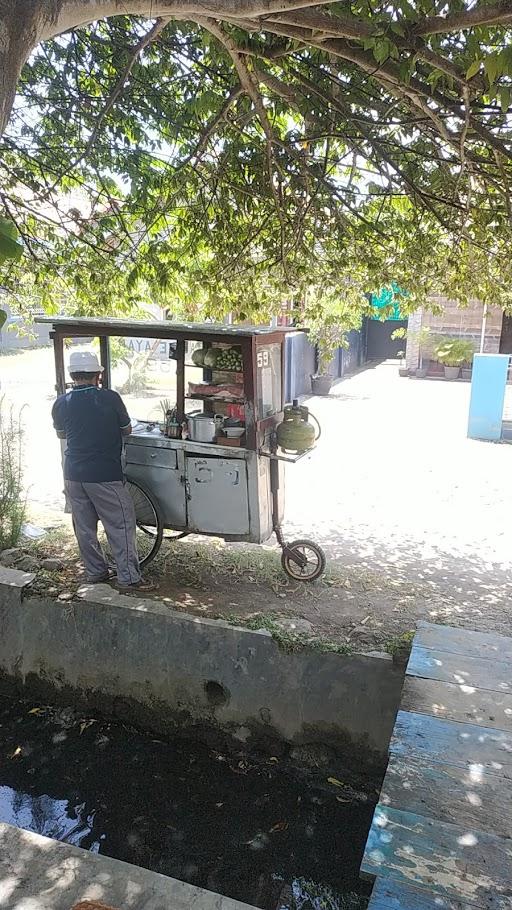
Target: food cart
x,y
211,464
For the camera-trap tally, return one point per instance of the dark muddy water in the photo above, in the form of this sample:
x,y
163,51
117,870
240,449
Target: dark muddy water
x,y
260,831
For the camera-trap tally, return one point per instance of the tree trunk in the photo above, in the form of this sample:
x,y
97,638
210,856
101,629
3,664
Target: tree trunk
x,y
20,22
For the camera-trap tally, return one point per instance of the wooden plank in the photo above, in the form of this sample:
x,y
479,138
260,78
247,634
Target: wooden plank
x,y
431,739
465,671
389,895
475,798
455,702
456,863
489,645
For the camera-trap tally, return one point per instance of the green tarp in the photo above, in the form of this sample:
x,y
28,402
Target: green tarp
x,y
387,299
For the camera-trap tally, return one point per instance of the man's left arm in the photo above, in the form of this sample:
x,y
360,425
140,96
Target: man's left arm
x,y
58,421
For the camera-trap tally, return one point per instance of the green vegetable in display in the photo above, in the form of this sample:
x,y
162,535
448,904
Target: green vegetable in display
x,y
210,358
198,357
229,359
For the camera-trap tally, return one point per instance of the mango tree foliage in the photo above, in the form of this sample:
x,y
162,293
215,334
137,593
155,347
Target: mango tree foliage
x,y
220,157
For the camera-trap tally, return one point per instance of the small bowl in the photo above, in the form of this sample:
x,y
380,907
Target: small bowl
x,y
234,432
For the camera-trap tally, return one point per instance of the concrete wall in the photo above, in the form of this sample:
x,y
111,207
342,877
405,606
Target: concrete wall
x,y
459,322
144,662
17,335
37,873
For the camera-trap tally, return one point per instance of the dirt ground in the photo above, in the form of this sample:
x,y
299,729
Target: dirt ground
x,y
414,517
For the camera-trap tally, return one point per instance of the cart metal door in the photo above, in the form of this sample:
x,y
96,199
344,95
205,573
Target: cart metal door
x,y
218,496
159,470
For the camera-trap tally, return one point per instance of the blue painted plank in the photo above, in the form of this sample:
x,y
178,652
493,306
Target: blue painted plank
x,y
388,895
460,796
431,739
460,703
463,641
456,863
456,668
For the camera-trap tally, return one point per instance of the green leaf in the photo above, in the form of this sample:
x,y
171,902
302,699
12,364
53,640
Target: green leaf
x,y
9,249
492,67
9,246
3,318
381,50
8,229
505,93
473,69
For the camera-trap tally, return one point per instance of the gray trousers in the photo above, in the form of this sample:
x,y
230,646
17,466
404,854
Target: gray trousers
x,y
111,504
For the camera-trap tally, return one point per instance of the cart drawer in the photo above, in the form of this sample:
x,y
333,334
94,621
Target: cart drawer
x,y
157,456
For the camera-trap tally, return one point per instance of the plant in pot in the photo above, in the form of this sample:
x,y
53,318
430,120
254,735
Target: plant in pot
x,y
327,337
329,312
402,369
422,336
452,353
322,380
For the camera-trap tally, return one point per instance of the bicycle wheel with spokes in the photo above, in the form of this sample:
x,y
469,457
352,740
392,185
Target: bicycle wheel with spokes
x,y
149,531
303,560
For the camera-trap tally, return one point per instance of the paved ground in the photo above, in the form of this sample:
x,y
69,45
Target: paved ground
x,y
413,514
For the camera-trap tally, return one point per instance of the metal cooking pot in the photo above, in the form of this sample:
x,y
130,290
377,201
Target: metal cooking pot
x,y
204,427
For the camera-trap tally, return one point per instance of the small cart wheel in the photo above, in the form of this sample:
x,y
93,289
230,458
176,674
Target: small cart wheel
x,y
303,560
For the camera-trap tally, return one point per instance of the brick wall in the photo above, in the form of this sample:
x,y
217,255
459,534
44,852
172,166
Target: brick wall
x,y
457,321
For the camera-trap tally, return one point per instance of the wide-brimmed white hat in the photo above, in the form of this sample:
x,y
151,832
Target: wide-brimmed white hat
x,y
84,362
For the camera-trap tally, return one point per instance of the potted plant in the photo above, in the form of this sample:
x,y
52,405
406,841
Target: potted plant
x,y
328,313
422,336
327,338
452,353
402,369
424,339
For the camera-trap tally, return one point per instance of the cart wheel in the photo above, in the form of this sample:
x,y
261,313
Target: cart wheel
x,y
149,523
171,535
167,533
149,530
303,560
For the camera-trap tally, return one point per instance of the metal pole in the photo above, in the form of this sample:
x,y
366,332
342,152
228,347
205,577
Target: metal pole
x,y
482,333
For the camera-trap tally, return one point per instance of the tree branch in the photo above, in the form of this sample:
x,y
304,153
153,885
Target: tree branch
x,y
483,14
135,52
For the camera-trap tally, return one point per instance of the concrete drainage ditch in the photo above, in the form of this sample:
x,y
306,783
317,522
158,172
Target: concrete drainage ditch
x,y
305,729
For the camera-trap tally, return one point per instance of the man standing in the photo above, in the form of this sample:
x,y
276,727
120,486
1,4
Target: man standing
x,y
93,421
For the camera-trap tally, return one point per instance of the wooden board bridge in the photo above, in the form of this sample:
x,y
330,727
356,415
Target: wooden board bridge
x,y
441,833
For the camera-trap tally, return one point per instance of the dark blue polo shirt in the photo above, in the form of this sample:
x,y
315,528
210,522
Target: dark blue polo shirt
x,y
91,419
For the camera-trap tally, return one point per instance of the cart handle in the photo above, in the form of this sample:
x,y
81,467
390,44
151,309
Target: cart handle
x,y
292,460
318,425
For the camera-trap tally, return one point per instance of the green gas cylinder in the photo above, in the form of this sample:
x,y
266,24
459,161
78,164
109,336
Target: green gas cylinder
x,y
295,434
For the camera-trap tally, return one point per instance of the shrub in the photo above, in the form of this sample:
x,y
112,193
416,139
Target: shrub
x,y
12,495
453,352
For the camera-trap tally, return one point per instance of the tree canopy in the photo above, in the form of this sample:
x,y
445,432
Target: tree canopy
x,y
226,154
